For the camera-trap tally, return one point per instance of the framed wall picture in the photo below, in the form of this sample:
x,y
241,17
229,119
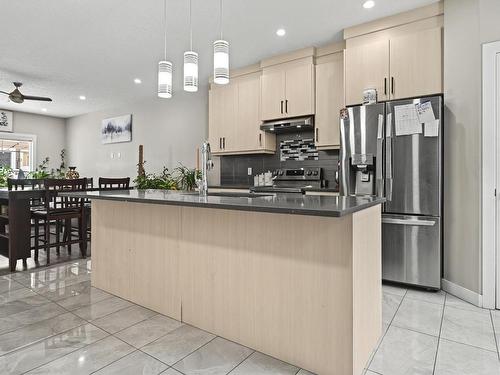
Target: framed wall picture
x,y
116,129
5,121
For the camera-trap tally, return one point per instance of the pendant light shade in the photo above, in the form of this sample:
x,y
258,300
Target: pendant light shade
x,y
221,56
190,62
190,71
221,62
164,66
165,79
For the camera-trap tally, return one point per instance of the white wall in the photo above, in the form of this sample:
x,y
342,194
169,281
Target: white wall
x,y
170,131
467,24
50,132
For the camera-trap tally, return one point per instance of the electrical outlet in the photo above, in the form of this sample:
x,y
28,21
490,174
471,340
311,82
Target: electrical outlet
x,y
249,171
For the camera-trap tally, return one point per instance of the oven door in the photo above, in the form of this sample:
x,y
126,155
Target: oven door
x,y
411,250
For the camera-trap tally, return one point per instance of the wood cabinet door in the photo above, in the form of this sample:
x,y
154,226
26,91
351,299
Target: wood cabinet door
x,y
367,67
248,131
228,133
215,110
272,93
416,64
299,90
329,100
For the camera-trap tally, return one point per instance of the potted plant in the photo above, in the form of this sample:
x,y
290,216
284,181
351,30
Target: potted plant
x,y
186,178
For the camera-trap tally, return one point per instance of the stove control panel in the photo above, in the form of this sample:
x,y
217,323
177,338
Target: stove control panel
x,y
308,174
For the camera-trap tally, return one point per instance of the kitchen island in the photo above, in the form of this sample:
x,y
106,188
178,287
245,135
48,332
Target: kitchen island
x,y
297,278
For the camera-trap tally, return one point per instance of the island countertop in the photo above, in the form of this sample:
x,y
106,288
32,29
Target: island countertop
x,y
329,206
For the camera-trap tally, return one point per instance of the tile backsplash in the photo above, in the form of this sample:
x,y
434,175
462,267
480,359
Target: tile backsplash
x,y
294,150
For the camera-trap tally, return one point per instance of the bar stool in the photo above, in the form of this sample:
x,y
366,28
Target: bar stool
x,y
114,183
61,210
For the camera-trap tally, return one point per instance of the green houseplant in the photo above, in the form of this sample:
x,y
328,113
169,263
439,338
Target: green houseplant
x,y
5,173
41,171
186,177
163,180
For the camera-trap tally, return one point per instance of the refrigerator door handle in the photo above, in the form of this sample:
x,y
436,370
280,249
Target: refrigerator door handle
x,y
379,177
388,167
414,222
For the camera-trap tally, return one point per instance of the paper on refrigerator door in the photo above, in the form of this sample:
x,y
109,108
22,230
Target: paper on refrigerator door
x,y
406,120
425,113
380,129
431,129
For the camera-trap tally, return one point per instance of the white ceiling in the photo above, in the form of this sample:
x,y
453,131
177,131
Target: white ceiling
x,y
96,48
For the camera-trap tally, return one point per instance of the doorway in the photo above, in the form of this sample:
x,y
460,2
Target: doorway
x,y
491,176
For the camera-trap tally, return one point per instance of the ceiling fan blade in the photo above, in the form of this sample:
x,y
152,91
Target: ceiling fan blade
x,y
40,98
3,92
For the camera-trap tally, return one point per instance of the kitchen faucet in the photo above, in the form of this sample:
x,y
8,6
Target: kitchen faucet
x,y
206,165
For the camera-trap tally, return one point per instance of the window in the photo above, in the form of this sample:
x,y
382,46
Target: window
x,y
16,153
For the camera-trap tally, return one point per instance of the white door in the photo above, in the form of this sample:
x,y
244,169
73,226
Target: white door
x,y
497,208
491,176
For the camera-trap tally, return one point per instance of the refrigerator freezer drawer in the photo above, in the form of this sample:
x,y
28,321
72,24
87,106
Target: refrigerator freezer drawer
x,y
411,250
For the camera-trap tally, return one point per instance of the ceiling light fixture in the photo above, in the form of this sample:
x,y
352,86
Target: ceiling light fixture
x,y
82,97
164,66
281,32
137,81
44,109
190,62
221,56
369,4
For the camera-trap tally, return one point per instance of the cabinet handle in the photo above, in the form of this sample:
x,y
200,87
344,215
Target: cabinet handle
x,y
220,143
282,107
392,85
286,106
385,86
260,139
224,143
317,134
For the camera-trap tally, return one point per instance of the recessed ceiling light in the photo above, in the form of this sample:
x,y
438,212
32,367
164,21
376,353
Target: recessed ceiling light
x,y
137,81
44,109
82,97
369,4
281,32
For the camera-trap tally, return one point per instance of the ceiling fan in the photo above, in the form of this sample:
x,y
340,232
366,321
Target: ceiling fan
x,y
17,97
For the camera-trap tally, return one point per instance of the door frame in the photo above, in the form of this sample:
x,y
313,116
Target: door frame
x,y
490,153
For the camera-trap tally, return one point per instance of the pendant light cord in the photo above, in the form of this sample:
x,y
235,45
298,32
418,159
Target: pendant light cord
x,y
220,20
165,28
190,28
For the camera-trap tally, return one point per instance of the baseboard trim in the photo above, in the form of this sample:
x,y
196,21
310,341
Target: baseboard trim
x,y
462,293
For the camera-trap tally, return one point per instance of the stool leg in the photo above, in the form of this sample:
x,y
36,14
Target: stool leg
x,y
47,240
37,234
58,237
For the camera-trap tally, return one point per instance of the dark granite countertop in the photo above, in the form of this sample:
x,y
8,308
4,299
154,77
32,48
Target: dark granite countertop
x,y
235,187
315,205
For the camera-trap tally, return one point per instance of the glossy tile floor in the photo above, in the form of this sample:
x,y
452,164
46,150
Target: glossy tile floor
x,y
53,322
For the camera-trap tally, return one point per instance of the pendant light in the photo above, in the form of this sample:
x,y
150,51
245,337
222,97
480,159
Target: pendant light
x,y
221,56
190,62
164,66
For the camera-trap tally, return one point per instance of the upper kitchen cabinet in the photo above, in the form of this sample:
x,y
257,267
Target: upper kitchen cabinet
x,y
329,99
234,117
287,85
400,56
416,64
367,67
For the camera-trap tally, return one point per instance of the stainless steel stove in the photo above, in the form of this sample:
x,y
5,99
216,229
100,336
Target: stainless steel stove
x,y
294,180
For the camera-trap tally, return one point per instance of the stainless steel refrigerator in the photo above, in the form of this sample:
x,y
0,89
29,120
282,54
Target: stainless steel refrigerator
x,y
387,151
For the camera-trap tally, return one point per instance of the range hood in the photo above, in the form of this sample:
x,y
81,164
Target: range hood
x,y
289,125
